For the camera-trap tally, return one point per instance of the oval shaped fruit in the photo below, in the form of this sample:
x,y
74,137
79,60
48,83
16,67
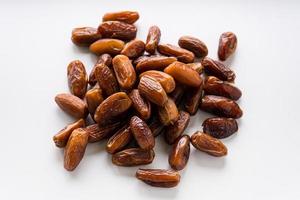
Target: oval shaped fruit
x,y
105,59
168,113
216,68
180,153
119,140
153,39
97,133
85,36
193,99
133,157
134,49
194,45
77,78
154,63
117,29
93,99
166,81
220,127
106,79
227,45
124,71
109,46
181,54
123,16
140,104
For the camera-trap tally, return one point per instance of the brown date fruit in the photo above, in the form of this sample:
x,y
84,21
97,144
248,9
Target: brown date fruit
x,y
153,39
180,153
134,49
168,113
118,30
106,79
61,138
193,99
154,63
85,36
119,140
181,54
142,133
97,133
197,66
77,78
221,106
104,58
156,127
139,59
93,99
208,144
177,94
124,71
123,16
215,86
109,46
166,81
140,104
218,69
194,45
133,157
220,127
174,131
159,177
227,45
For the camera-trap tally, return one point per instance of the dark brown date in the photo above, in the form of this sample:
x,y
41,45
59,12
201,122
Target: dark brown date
x,y
140,104
153,39
180,153
104,58
117,29
227,45
218,69
97,133
193,99
119,140
220,127
133,157
177,94
106,79
168,113
85,36
194,45
156,127
181,54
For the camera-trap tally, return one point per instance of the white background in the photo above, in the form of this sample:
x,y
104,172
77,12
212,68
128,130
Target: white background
x,y
35,49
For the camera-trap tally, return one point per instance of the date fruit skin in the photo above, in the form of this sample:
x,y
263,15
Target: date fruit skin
x,y
61,138
152,90
218,69
180,153
75,149
112,107
197,66
215,86
208,144
174,131
220,127
85,36
124,71
181,54
227,45
166,81
193,99
156,127
119,140
109,46
93,99
184,74
221,106
133,157
194,45
168,114
159,177
141,105
98,133
106,79
154,63
105,59
153,39
118,30
128,17
72,105
77,78
177,94
134,49
142,133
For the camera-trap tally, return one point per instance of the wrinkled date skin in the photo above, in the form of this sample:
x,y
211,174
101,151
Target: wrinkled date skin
x,y
184,74
218,69
181,54
133,157
156,127
139,59
123,16
177,94
221,106
197,66
153,39
142,133
109,46
72,105
85,36
208,144
124,71
134,49
141,105
112,107
194,45
227,45
152,90
166,81
97,133
193,99
118,30
77,78
174,131
159,177
180,153
154,63
119,140
168,113
105,59
62,137
75,149
215,86
220,127
106,79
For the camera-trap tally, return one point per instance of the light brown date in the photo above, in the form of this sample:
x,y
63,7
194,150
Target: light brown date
x,y
154,63
97,133
227,45
109,46
133,157
168,113
194,45
153,39
134,49
93,99
85,36
77,78
193,99
181,54
141,105
123,16
166,81
106,79
119,140
220,127
104,58
218,69
118,30
124,71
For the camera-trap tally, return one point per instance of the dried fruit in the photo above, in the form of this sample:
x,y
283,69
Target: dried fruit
x,y
197,66
105,59
75,148
184,74
216,68
227,45
97,133
134,49
193,99
208,144
139,59
156,127
168,113
124,71
182,55
77,78
177,93
106,79
194,45
62,137
118,30
220,127
159,177
133,157
221,106
119,140
142,133
180,153
123,16
154,63
93,99
109,46
140,104
84,36
72,105
153,39
166,81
